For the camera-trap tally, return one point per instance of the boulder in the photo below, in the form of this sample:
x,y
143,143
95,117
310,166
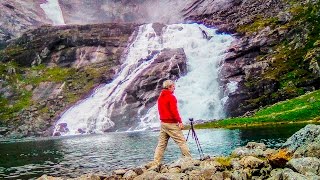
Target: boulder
x,y
286,174
171,176
302,138
251,162
149,175
309,150
305,165
129,175
185,164
253,149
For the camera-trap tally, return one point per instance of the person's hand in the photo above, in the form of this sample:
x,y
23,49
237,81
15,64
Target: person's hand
x,y
180,125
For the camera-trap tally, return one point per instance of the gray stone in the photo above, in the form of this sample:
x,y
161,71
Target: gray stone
x,y
286,174
253,149
130,175
211,164
46,177
239,175
185,164
304,165
174,170
304,136
309,150
149,175
171,176
119,171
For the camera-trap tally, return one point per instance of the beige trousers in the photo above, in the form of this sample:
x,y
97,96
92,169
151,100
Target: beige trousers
x,y
170,130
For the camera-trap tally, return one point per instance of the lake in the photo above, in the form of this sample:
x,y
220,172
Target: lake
x,y
73,156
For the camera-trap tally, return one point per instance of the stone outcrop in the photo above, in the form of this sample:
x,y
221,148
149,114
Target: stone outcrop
x,y
17,17
235,167
70,61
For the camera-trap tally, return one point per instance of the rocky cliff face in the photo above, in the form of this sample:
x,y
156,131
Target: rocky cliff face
x,y
17,17
269,61
48,69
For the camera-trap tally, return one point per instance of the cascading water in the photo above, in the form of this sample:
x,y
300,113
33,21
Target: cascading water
x,y
198,92
53,12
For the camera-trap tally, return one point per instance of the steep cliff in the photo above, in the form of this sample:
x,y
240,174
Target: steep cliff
x,y
48,69
17,17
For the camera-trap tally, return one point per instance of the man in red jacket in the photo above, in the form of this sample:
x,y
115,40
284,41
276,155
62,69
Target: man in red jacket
x,y
171,124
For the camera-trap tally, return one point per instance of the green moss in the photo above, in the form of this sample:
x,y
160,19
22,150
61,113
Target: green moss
x,y
258,24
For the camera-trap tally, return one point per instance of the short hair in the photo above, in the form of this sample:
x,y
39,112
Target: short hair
x,y
167,83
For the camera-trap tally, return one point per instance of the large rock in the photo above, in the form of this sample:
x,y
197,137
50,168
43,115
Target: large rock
x,y
253,149
149,175
302,139
288,174
305,165
251,162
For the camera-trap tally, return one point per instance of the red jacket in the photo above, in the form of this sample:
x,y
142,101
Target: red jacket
x,y
167,107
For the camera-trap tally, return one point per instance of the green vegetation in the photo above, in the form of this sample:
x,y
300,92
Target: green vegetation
x,y
258,25
293,63
303,108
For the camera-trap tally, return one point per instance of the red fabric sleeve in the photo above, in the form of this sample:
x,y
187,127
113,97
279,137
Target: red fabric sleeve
x,y
174,108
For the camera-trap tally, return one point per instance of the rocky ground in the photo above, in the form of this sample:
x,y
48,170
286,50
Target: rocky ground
x,y
298,158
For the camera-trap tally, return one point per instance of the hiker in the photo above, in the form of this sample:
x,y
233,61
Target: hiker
x,y
171,124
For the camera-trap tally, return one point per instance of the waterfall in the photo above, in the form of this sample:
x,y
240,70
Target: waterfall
x,y
198,92
53,11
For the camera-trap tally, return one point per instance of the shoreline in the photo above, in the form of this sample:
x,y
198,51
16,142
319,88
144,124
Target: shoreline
x,y
297,158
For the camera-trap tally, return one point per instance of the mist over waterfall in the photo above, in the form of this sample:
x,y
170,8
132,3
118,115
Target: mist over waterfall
x,y
198,92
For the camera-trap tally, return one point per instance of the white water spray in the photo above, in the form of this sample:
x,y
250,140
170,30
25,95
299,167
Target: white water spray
x,y
198,92
53,12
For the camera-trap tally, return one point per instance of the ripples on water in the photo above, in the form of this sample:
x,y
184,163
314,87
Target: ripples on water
x,y
74,156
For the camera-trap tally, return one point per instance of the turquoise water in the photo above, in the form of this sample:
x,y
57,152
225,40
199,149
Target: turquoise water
x,y
77,155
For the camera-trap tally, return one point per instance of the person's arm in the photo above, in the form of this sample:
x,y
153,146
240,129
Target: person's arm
x,y
174,109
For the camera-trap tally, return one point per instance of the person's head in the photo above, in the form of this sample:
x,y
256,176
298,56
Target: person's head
x,y
168,84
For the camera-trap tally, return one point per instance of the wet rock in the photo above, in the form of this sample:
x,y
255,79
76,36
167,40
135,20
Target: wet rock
x,y
305,165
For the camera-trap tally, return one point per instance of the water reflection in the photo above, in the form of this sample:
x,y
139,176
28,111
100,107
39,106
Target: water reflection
x,y
73,156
